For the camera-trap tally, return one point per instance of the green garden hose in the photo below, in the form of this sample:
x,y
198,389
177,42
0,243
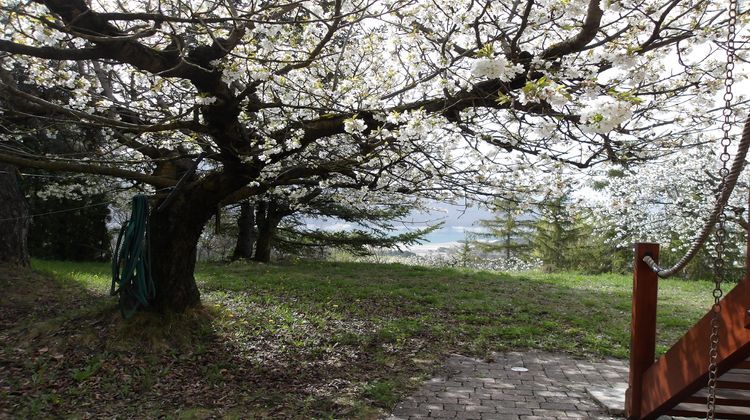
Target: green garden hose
x,y
131,261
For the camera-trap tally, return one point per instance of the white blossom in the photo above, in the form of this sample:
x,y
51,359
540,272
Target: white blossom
x,y
354,125
495,68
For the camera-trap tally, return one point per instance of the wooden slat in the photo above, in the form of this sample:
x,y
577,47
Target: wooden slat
x,y
702,414
719,401
699,410
731,376
734,396
683,369
733,385
725,393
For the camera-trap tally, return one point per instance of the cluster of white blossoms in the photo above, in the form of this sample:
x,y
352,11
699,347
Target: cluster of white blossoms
x,y
354,125
547,91
496,68
64,188
605,113
393,54
204,100
667,202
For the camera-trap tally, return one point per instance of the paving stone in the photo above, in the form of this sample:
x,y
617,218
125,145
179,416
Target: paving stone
x,y
409,412
480,409
499,416
454,407
545,393
528,404
554,386
454,393
557,406
611,398
548,413
443,414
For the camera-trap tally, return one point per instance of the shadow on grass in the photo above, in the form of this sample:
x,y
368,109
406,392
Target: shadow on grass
x,y
30,295
304,340
67,352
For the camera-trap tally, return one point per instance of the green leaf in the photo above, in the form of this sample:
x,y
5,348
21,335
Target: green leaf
x,y
502,98
485,52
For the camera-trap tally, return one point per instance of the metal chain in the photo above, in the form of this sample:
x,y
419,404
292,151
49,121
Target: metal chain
x,y
719,263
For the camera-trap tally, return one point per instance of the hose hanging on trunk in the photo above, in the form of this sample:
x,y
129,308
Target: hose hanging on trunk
x,y
131,261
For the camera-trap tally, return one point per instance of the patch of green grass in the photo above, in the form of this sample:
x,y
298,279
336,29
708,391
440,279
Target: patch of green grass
x,y
473,311
93,276
383,393
88,370
399,330
312,339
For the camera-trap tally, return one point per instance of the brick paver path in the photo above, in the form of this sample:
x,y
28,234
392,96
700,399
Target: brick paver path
x,y
554,387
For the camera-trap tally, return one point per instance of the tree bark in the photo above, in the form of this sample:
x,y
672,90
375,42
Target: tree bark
x,y
174,235
174,244
175,232
14,218
247,234
267,219
264,243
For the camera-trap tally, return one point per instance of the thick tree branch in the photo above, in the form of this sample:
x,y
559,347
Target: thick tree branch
x,y
52,53
37,104
586,35
156,181
167,63
482,95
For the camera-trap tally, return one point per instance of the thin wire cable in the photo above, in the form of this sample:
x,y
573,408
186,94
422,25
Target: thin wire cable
x,y
45,176
71,209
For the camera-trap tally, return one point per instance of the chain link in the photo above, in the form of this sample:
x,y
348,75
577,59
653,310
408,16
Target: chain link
x,y
719,264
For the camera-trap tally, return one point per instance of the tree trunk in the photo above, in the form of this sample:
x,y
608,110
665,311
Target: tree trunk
x,y
247,233
14,218
264,242
267,218
175,232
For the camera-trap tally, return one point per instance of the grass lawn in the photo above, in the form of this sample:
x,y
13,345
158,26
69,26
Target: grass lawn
x,y
296,340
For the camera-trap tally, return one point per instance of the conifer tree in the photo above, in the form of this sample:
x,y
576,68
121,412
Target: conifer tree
x,y
556,230
509,232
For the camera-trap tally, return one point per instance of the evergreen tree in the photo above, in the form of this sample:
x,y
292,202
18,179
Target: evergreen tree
x,y
509,232
372,227
80,234
465,254
281,223
556,231
73,209
70,229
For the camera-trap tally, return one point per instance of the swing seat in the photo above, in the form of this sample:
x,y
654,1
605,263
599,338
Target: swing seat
x,y
676,383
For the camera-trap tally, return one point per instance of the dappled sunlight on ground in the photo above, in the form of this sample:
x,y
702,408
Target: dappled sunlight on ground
x,y
309,339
